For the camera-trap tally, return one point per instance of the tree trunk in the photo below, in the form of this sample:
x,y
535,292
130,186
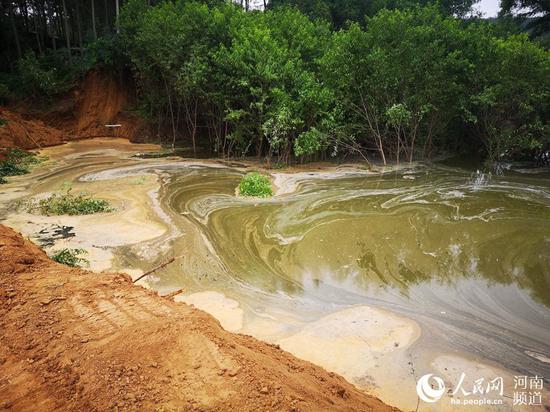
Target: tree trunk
x,y
195,129
381,150
67,32
411,153
117,13
79,28
94,30
37,34
398,145
107,22
171,114
25,13
43,24
15,33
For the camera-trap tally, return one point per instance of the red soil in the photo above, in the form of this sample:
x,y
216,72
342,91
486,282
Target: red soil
x,y
83,113
75,340
26,134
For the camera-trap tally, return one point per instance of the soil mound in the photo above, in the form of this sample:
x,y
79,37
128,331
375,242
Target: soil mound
x,y
15,131
83,113
76,340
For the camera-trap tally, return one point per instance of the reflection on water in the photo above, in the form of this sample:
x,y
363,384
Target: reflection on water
x,y
464,254
467,254
379,230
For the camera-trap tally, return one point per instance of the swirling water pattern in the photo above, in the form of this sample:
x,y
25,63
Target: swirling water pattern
x,y
468,258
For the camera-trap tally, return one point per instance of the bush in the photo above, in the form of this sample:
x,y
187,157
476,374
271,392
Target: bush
x,y
5,96
65,203
255,184
42,78
17,162
70,257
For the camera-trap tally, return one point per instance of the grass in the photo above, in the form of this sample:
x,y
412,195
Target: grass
x,y
70,257
17,162
65,203
255,184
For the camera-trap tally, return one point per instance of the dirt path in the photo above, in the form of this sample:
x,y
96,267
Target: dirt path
x,y
76,340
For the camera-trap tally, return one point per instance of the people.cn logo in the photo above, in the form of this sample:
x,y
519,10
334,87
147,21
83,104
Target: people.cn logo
x,y
426,391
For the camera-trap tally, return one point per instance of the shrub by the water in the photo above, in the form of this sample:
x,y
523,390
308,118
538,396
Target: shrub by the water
x,y
255,184
17,162
65,203
70,257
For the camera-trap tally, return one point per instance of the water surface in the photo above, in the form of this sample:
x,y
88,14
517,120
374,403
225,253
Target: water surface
x,y
464,256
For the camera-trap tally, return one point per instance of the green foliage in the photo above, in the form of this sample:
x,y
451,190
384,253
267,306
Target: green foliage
x,y
398,115
35,78
65,203
305,78
508,107
310,142
342,12
107,51
412,76
70,257
408,82
41,78
255,184
17,162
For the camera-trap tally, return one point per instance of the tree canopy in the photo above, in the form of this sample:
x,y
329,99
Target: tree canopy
x,y
394,80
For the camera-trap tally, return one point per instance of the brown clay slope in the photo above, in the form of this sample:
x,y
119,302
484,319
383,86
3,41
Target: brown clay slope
x,y
26,134
82,113
76,340
100,100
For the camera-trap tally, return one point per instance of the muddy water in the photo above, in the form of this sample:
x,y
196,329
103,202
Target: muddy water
x,y
379,277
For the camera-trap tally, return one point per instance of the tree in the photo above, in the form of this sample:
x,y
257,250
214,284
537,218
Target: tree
x,y
508,108
405,62
537,13
339,12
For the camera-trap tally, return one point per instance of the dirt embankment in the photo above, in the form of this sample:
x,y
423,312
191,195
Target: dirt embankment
x,y
26,134
75,340
83,113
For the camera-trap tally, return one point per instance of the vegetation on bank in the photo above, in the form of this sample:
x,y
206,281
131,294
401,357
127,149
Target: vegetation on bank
x,y
255,184
405,84
17,162
70,257
399,80
66,203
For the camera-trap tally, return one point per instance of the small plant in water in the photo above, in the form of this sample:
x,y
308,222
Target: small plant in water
x,y
255,184
70,257
65,203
